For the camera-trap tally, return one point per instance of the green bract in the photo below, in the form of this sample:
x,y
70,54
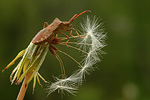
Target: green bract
x,y
30,63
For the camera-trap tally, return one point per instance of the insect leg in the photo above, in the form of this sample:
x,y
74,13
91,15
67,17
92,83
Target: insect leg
x,y
52,49
45,24
42,49
71,33
65,36
74,30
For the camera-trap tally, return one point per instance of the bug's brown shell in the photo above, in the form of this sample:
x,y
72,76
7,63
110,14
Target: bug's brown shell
x,y
46,33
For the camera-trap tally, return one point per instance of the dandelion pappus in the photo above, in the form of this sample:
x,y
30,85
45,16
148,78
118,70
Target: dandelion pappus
x,y
48,33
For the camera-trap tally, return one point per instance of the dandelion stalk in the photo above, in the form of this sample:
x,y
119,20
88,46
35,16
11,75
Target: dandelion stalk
x,y
24,87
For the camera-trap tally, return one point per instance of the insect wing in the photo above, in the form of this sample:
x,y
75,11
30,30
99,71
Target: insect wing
x,y
46,33
41,36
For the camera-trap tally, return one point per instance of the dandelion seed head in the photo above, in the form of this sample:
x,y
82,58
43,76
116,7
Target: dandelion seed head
x,y
92,43
94,35
93,32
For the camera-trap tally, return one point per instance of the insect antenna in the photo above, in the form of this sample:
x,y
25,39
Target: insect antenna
x,y
76,16
72,17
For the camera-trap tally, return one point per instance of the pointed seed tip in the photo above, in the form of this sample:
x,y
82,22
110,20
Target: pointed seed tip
x,y
47,82
88,10
33,91
17,82
12,82
41,85
3,70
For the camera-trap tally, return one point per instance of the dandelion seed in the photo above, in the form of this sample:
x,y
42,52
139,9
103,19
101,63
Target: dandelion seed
x,y
67,85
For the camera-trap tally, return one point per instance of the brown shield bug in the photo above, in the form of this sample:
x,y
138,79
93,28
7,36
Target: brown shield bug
x,y
48,34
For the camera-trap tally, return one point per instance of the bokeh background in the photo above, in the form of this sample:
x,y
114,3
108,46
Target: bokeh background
x,y
124,73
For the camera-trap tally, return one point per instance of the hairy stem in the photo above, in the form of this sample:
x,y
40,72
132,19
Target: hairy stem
x,y
24,87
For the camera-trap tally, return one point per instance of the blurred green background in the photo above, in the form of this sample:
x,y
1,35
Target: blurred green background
x,y
124,73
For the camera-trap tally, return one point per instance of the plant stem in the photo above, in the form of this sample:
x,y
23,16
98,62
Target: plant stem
x,y
24,87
